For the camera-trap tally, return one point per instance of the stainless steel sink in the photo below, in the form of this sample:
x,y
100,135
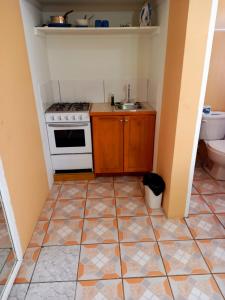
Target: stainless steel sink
x,y
128,106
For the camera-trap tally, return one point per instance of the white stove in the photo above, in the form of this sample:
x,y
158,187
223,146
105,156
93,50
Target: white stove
x,y
69,133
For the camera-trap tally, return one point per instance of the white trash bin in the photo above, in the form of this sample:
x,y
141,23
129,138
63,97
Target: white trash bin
x,y
151,199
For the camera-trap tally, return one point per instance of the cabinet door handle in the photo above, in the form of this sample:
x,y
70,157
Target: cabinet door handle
x,y
126,120
121,120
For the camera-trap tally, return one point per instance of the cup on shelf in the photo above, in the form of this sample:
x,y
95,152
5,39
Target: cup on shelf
x,y
98,23
105,23
101,23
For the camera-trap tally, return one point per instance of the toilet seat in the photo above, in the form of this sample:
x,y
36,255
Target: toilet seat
x,y
217,146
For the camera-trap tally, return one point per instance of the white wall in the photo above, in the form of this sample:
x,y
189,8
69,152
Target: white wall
x,y
92,67
39,69
158,54
93,56
157,63
101,64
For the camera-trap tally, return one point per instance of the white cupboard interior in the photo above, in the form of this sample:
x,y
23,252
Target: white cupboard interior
x,y
90,64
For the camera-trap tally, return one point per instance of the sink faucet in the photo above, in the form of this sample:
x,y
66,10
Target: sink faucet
x,y
128,93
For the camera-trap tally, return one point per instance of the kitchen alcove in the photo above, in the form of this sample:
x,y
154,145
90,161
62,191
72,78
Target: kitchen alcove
x,y
68,64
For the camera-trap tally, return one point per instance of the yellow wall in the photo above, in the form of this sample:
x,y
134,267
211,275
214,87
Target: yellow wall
x,y
182,83
215,92
20,143
173,68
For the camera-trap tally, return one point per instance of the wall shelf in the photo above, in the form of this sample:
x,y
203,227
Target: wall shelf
x,y
93,30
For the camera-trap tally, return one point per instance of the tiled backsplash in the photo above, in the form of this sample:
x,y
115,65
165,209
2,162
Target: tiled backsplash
x,y
93,90
82,90
139,89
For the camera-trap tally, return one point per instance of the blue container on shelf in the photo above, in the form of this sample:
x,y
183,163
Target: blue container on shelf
x,y
105,23
98,23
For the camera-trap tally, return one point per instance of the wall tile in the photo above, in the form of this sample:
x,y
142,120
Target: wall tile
x,y
139,89
82,90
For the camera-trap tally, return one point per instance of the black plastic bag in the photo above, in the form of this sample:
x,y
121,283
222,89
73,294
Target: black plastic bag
x,y
155,183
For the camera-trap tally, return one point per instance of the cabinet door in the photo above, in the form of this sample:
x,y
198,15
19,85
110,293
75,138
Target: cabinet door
x,y
108,144
138,143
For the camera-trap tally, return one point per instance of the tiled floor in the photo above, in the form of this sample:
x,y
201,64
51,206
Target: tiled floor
x,y
97,240
7,257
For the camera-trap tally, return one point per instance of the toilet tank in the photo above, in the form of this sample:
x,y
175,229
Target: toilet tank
x,y
213,126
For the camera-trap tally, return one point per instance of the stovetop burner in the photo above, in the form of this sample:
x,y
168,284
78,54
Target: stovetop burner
x,y
68,107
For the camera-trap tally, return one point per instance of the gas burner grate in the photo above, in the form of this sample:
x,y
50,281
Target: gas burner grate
x,y
81,106
68,107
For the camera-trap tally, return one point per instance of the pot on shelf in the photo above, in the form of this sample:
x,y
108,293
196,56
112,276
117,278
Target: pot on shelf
x,y
85,22
60,19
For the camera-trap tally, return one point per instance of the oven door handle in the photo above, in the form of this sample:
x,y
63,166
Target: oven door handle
x,y
68,125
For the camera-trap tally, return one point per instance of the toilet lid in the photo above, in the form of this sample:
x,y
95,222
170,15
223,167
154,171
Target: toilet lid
x,y
218,145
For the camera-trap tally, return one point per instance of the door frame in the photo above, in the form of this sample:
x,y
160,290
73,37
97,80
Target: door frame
x,y
211,30
7,203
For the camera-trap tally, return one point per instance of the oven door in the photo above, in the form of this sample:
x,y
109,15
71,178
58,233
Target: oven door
x,y
66,138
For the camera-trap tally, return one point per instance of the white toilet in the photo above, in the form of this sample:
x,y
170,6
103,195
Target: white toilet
x,y
213,133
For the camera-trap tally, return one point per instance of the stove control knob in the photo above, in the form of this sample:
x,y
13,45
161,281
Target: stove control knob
x,y
73,118
59,118
80,117
52,118
66,118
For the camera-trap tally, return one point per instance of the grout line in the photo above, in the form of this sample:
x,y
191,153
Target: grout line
x,y
41,247
202,168
195,241
129,242
205,238
48,222
160,253
120,278
220,290
120,257
212,274
5,263
81,236
44,246
207,194
33,272
141,277
219,219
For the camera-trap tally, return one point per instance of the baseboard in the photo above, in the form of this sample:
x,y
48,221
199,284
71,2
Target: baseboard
x,y
74,176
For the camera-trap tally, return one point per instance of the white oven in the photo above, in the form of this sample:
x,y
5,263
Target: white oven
x,y
69,138
69,134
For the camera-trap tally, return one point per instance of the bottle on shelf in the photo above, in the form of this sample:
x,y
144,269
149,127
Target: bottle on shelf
x,y
112,100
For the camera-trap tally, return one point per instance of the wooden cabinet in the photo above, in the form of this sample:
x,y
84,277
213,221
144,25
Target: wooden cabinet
x,y
108,144
138,143
123,143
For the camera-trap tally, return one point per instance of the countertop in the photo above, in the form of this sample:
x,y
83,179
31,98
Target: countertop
x,y
106,109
